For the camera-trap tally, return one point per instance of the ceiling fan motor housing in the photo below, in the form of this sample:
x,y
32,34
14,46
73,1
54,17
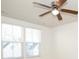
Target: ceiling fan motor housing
x,y
54,6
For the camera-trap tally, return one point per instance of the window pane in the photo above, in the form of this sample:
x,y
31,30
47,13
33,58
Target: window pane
x,y
7,32
32,35
28,49
12,50
28,35
31,49
11,32
17,50
36,49
17,33
36,35
7,51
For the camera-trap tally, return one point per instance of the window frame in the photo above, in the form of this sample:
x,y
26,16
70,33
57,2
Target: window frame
x,y
22,44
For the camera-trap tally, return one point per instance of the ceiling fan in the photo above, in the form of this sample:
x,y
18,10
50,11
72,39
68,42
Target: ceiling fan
x,y
55,8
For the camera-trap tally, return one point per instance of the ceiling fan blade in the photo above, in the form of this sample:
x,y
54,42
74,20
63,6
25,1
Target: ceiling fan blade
x,y
69,11
59,16
59,3
42,4
45,13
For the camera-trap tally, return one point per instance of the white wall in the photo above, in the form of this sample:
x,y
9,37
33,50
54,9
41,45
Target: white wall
x,y
45,50
65,41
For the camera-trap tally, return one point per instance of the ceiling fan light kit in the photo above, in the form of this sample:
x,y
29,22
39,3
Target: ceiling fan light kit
x,y
55,12
55,5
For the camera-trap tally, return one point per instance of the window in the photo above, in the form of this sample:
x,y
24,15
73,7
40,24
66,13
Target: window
x,y
32,41
19,42
11,41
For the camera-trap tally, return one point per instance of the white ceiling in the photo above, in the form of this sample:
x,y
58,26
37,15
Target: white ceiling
x,y
25,10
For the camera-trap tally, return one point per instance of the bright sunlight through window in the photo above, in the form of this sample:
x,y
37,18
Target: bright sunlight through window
x,y
20,42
